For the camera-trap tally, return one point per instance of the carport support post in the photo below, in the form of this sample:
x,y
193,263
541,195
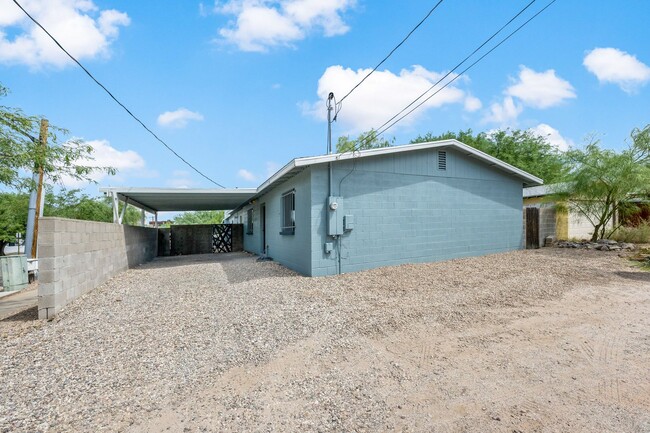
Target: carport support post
x,y
126,203
155,218
142,217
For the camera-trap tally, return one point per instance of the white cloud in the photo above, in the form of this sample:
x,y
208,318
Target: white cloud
x,y
262,24
178,118
540,89
380,97
180,179
246,175
271,168
472,103
505,113
126,162
79,25
611,65
552,135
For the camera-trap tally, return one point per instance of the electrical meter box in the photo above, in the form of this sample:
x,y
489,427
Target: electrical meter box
x,y
334,216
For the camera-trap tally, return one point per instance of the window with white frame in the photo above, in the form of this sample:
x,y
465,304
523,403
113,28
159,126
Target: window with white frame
x,y
288,213
249,221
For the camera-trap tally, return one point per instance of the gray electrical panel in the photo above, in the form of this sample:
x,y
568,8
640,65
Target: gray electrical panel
x,y
348,222
334,216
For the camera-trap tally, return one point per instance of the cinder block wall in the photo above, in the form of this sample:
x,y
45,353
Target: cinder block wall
x,y
77,256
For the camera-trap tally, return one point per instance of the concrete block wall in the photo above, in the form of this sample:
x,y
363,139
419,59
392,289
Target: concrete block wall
x,y
293,251
191,239
407,210
77,256
547,221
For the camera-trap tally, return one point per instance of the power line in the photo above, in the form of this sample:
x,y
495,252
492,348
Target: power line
x,y
393,50
460,63
114,98
466,69
386,128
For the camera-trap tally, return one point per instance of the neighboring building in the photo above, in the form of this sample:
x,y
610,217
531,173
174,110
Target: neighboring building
x,y
403,204
565,225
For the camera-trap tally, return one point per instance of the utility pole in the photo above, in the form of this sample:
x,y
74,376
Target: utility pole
x,y
35,199
330,107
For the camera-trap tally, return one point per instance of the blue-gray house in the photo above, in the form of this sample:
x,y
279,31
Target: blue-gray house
x,y
404,204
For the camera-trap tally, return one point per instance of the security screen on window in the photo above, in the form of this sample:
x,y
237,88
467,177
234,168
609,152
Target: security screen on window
x,y
288,213
249,222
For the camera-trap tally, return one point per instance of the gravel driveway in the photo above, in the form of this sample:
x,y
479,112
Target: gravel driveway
x,y
530,341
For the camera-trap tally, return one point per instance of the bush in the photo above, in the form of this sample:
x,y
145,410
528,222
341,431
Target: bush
x,y
638,235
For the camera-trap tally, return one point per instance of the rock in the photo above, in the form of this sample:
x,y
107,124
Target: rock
x,y
614,248
602,247
627,246
607,242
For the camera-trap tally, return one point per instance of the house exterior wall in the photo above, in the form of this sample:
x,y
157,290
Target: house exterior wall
x,y
293,251
568,224
406,210
579,227
551,222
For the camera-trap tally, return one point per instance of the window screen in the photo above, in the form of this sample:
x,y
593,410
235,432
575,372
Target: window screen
x,y
249,222
289,213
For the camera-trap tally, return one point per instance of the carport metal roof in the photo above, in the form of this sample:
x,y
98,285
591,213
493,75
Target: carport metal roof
x,y
165,199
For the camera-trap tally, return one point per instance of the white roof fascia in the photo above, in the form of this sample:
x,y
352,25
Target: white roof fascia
x,y
127,190
299,162
283,171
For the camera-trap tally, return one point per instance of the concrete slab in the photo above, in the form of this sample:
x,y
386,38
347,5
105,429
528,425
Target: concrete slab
x,y
14,302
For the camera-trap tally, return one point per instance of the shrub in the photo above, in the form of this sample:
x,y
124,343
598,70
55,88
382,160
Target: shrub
x,y
638,235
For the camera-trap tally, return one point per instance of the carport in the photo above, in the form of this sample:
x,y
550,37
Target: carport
x,y
154,200
77,256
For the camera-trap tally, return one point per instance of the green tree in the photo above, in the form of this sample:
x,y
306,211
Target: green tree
x,y
199,217
65,204
75,205
20,151
365,140
520,148
602,182
13,217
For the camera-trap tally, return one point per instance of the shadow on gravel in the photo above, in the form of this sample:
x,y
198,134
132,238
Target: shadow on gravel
x,y
194,259
24,316
638,276
246,270
239,267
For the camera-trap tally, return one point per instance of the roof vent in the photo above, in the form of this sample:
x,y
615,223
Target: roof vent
x,y
442,160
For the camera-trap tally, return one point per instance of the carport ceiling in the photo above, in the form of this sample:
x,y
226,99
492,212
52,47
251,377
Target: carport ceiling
x,y
166,199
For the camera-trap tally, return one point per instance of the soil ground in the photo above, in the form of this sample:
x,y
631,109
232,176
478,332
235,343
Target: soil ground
x,y
530,341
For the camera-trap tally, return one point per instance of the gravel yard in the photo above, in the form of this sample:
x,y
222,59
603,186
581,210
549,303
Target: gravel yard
x,y
544,340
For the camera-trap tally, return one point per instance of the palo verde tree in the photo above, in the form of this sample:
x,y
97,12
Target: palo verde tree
x,y
522,148
602,183
365,140
21,151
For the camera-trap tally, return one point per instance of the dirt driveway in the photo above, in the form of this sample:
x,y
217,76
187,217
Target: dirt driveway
x,y
530,341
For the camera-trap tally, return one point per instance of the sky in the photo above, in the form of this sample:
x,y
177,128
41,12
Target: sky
x,y
238,87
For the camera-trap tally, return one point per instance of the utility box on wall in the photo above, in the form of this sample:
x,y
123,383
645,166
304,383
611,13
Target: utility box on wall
x,y
334,216
348,222
14,273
